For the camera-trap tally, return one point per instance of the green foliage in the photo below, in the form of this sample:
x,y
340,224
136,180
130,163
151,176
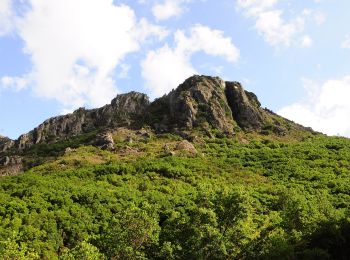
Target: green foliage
x,y
265,199
83,250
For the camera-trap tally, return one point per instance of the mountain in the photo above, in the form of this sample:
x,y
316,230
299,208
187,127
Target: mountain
x,y
201,105
203,172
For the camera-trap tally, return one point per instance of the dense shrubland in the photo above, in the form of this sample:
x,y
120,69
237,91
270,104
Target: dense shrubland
x,y
262,199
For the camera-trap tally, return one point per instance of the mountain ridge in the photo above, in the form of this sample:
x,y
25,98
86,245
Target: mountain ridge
x,y
202,103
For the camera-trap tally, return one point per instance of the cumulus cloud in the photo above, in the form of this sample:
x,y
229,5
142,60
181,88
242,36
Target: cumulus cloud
x,y
165,68
346,43
76,45
168,9
253,8
326,107
14,83
6,17
306,41
271,24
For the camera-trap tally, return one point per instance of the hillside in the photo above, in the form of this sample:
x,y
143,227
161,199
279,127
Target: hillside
x,y
201,106
201,173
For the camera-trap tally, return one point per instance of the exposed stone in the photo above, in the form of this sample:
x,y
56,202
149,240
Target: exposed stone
x,y
245,106
10,160
209,104
4,161
144,133
197,101
166,148
68,150
105,141
10,165
127,150
124,110
186,146
5,143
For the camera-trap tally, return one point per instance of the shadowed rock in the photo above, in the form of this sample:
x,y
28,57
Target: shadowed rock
x,y
245,106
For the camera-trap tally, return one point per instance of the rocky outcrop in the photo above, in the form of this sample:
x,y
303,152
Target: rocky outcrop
x,y
209,103
245,106
105,141
186,146
124,110
201,102
198,102
10,165
5,143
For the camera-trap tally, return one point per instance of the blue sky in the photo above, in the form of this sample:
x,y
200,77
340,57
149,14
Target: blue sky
x,y
56,56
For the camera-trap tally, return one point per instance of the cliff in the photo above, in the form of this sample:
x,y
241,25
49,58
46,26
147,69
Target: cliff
x,y
204,103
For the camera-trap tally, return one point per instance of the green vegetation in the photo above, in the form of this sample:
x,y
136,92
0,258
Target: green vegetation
x,y
260,198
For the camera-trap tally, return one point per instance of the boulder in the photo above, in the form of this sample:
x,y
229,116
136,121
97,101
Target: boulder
x,y
186,146
105,141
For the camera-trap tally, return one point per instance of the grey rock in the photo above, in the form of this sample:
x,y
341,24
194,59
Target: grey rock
x,y
201,102
124,110
105,141
10,160
186,146
198,102
245,106
5,143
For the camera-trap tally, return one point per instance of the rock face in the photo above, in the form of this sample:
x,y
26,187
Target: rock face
x,y
208,102
245,106
124,110
201,102
10,165
105,141
198,102
5,143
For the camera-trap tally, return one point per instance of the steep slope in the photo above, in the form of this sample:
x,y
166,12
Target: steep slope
x,y
202,104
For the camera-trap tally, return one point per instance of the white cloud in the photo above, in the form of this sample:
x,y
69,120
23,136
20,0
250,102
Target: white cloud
x,y
326,107
346,43
254,8
275,30
124,71
144,29
165,68
306,41
14,83
6,17
319,17
76,45
168,9
271,24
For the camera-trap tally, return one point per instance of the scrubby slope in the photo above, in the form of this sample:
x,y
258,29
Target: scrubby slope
x,y
202,105
148,199
201,173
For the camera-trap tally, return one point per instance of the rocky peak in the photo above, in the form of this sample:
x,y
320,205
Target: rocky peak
x,y
209,102
198,102
131,103
244,105
123,110
202,102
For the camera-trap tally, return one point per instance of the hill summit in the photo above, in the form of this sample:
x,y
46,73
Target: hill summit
x,y
201,105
